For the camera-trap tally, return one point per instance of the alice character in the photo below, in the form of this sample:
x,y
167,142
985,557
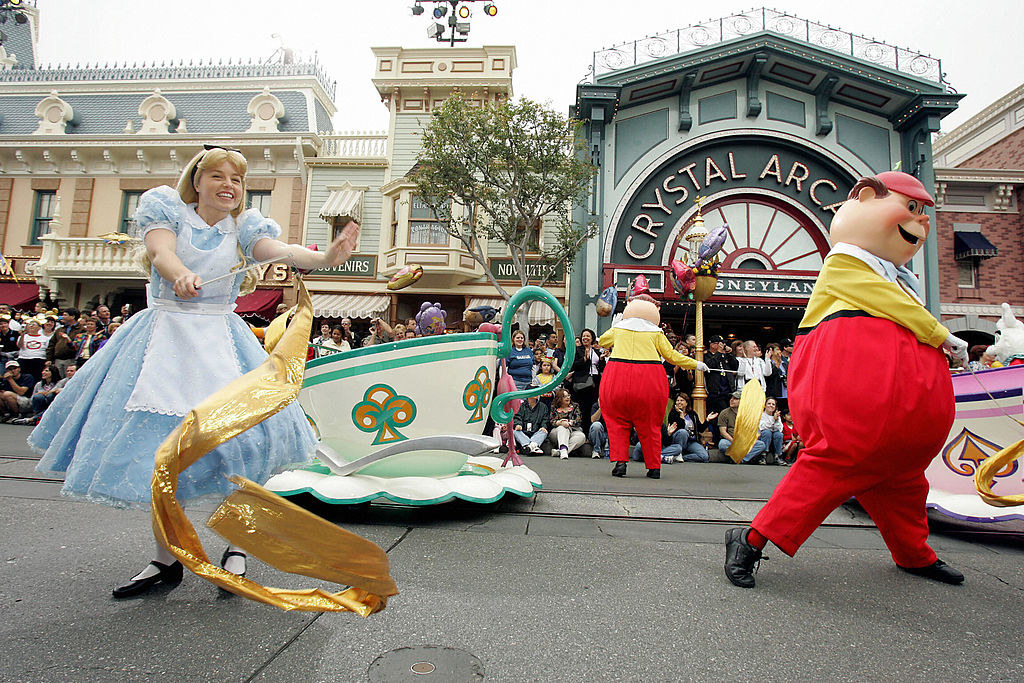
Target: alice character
x,y
869,429
102,431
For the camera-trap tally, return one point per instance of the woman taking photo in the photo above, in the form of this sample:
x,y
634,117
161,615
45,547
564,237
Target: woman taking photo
x,y
586,373
104,428
565,433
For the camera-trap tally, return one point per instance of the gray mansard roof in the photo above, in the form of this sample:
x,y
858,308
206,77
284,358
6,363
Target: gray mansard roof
x,y
18,40
203,112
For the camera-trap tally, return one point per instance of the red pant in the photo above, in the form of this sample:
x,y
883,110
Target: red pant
x,y
634,396
873,406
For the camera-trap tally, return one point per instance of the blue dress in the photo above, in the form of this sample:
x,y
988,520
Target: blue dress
x,y
103,429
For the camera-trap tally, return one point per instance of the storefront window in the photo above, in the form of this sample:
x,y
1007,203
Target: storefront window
x,y
45,201
424,227
131,202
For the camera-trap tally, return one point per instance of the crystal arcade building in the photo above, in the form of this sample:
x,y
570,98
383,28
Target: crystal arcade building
x,y
769,118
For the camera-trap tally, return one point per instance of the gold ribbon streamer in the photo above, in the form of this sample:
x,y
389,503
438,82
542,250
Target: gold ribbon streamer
x,y
748,420
264,524
986,473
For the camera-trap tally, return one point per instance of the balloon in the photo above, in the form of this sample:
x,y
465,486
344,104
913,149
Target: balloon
x,y
713,243
684,278
607,301
480,314
405,277
430,319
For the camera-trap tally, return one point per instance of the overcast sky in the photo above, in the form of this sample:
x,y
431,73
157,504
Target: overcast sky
x,y
978,42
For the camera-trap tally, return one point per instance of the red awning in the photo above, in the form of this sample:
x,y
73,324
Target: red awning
x,y
262,303
18,295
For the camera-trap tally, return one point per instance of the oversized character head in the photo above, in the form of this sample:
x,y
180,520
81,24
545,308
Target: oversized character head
x,y
643,306
885,216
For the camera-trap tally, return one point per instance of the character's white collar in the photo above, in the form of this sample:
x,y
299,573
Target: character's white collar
x,y
636,325
885,269
225,226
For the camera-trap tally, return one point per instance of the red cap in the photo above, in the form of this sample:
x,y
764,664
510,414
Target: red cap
x,y
906,184
640,286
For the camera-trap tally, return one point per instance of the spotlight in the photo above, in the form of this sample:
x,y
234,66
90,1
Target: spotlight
x,y
462,27
464,12
435,30
440,11
417,9
13,3
490,10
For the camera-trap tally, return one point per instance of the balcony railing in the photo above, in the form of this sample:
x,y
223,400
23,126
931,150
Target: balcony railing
x,y
355,146
85,258
699,36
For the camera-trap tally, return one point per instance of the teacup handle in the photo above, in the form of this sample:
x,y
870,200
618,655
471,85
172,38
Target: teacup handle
x,y
530,293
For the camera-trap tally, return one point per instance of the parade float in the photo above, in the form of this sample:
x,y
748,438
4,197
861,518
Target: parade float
x,y
404,421
989,410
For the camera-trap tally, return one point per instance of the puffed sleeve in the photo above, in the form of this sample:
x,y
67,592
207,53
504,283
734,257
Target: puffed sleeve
x,y
252,227
160,207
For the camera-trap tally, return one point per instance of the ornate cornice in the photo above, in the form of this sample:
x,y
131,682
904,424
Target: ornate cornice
x,y
978,121
977,309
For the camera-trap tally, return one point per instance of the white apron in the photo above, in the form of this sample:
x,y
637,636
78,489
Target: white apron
x,y
190,353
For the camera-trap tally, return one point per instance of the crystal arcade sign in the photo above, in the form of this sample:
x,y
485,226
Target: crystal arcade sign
x,y
755,163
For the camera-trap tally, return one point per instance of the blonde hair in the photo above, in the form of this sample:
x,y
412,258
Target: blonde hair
x,y
203,161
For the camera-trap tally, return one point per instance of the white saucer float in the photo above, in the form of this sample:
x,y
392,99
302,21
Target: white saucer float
x,y
402,420
989,405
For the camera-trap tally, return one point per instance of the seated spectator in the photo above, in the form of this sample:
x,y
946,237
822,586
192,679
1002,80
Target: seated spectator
x,y
597,435
16,391
530,424
45,390
564,423
726,427
771,431
791,443
685,428
670,452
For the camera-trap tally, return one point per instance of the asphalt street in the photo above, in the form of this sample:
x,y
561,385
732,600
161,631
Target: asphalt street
x,y
593,579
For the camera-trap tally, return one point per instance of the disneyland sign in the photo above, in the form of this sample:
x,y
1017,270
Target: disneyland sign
x,y
764,286
796,173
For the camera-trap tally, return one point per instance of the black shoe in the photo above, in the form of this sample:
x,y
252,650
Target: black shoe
x,y
170,574
619,470
937,571
231,553
740,558
654,474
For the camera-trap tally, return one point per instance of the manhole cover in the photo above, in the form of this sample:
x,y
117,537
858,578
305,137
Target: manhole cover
x,y
426,663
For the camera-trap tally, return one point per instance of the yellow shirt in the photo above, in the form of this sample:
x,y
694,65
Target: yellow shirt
x,y
636,339
846,283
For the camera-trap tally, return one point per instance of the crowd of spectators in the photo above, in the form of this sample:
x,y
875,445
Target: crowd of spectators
x,y
42,350
685,437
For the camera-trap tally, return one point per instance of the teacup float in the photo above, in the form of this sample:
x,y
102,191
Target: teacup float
x,y
403,420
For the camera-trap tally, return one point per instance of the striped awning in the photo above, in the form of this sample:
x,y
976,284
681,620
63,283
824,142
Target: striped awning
x,y
344,201
350,305
540,314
